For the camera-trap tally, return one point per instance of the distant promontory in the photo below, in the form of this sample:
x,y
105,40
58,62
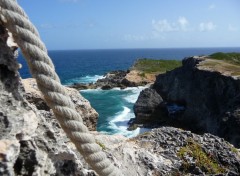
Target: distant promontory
x,y
143,72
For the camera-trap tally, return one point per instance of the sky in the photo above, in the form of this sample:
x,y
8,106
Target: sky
x,y
112,24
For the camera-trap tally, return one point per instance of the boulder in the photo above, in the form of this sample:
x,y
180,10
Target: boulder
x,y
148,105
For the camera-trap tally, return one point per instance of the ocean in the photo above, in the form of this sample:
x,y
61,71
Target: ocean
x,y
115,107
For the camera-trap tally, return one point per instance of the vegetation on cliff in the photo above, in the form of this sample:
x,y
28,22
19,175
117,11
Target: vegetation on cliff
x,y
227,64
155,66
233,58
203,160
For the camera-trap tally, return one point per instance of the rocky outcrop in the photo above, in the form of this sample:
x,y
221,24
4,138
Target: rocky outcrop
x,y
112,79
147,110
171,151
210,97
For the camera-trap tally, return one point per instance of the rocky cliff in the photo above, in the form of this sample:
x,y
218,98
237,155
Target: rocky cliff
x,y
209,92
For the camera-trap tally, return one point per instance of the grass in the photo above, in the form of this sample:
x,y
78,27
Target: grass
x,y
233,58
206,162
155,66
226,63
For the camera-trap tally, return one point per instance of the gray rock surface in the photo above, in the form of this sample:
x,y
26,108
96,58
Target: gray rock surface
x,y
147,109
171,151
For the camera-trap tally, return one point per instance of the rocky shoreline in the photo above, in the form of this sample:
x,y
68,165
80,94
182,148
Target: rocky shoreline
x,y
119,78
33,143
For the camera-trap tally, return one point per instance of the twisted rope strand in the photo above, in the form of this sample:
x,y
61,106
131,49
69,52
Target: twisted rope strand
x,y
27,37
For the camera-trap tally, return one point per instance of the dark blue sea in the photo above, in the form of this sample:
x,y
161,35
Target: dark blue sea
x,y
114,106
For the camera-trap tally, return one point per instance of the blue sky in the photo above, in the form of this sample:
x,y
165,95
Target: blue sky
x,y
106,24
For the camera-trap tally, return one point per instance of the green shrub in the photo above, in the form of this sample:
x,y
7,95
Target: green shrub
x,y
233,58
203,160
155,66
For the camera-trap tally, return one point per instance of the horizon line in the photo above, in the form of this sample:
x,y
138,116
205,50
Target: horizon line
x,y
143,48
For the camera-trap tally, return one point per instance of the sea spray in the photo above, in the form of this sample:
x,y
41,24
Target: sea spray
x,y
84,79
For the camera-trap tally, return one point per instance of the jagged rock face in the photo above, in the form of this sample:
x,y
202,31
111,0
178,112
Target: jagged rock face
x,y
211,100
171,151
31,140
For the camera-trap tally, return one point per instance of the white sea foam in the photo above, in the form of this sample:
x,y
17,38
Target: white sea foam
x,y
133,93
119,124
91,90
85,79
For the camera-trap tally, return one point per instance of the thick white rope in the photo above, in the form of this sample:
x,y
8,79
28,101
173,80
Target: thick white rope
x,y
26,36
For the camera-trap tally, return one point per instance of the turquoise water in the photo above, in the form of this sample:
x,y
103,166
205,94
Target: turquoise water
x,y
114,106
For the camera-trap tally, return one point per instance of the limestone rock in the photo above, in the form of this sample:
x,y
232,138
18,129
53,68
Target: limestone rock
x,y
166,151
34,96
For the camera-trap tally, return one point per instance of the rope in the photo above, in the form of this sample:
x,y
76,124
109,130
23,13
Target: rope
x,y
41,67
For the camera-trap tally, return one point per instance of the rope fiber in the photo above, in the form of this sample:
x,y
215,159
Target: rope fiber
x,y
42,69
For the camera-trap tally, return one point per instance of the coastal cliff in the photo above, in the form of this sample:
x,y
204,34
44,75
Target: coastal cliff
x,y
208,92
33,143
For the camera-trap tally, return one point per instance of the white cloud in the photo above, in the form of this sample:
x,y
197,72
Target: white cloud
x,y
208,26
164,26
211,6
232,28
183,22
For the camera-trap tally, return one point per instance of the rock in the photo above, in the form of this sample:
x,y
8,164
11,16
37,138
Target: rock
x,y
211,99
9,151
146,108
34,96
166,151
112,79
